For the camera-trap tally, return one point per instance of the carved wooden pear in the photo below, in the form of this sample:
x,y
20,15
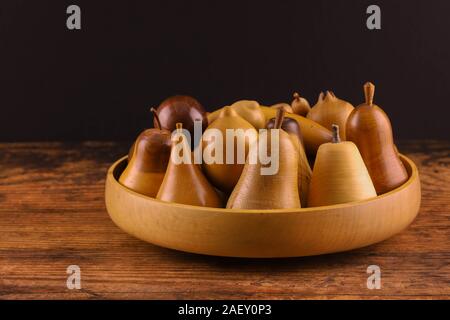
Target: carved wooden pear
x,y
274,191
147,166
250,111
339,174
224,175
300,105
184,181
331,110
369,128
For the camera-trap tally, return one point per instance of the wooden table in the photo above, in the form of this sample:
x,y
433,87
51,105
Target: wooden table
x,y
52,215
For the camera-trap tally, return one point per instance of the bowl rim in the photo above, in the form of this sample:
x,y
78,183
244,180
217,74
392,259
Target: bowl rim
x,y
408,162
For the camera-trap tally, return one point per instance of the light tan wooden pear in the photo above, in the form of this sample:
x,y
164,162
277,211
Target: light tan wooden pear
x,y
331,110
304,170
277,191
250,111
184,182
300,105
224,176
339,174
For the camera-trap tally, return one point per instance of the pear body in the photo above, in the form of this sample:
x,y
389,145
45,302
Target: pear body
x,y
250,111
300,105
145,170
185,183
331,110
278,191
339,176
224,176
370,129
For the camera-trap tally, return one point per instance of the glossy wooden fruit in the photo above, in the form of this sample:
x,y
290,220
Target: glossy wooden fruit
x,y
255,190
370,129
262,233
184,109
304,170
331,110
145,171
250,111
224,176
313,133
339,175
300,105
184,182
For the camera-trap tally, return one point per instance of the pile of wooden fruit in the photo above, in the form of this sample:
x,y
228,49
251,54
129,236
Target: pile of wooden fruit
x,y
351,151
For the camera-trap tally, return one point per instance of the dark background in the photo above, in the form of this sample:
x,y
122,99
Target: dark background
x,y
98,82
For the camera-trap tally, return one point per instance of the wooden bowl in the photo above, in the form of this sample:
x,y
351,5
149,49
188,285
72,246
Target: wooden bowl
x,y
263,233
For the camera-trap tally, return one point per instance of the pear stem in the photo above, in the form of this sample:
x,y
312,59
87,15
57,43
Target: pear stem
x,y
296,96
336,138
369,91
155,115
279,118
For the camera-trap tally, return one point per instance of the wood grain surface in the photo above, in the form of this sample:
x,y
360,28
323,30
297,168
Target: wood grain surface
x,y
52,215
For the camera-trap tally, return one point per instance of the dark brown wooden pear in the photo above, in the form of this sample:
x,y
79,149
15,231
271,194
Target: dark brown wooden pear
x,y
184,181
147,165
370,129
183,109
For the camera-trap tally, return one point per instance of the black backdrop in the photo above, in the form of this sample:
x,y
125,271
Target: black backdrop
x,y
98,82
